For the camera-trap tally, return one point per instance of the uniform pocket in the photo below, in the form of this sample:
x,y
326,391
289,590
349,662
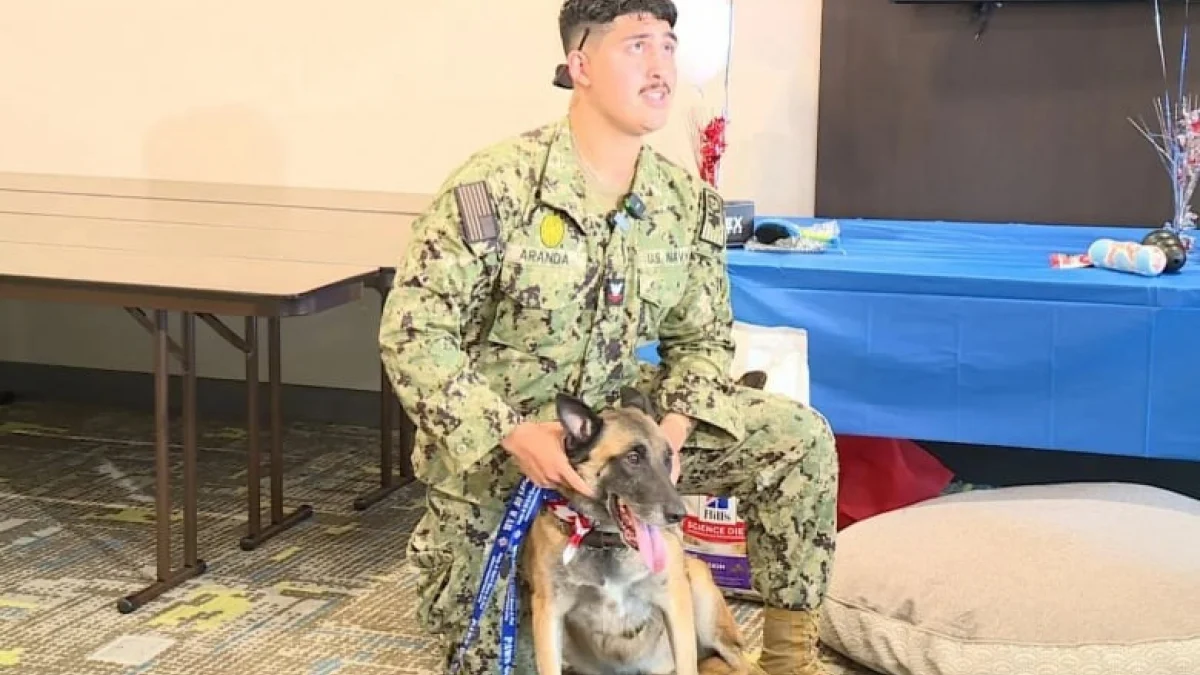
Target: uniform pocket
x,y
658,293
542,322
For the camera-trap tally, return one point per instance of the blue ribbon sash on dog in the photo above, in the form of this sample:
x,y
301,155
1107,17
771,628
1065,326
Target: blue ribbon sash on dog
x,y
522,507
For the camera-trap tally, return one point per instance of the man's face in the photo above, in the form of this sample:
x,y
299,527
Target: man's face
x,y
629,72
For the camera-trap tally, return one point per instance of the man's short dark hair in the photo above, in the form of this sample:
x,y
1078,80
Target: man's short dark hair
x,y
579,15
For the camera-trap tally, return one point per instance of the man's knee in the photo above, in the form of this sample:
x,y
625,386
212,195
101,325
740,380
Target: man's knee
x,y
786,437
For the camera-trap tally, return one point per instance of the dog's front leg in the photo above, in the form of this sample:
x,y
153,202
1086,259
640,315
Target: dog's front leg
x,y
547,633
681,621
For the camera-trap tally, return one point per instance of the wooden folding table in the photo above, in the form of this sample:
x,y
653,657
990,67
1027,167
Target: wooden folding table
x,y
91,271
248,222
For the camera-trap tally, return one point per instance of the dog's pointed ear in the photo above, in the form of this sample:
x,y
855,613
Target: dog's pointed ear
x,y
632,398
581,423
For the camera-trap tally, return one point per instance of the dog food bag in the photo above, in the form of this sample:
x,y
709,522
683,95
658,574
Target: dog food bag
x,y
713,533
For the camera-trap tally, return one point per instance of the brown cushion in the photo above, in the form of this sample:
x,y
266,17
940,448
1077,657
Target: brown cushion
x,y
1096,578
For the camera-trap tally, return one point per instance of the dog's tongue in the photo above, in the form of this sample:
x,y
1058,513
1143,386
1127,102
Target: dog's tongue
x,y
652,547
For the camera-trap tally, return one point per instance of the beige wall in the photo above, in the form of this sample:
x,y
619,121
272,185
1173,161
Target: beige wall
x,y
375,94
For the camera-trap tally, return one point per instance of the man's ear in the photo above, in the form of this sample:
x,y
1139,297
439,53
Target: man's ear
x,y
581,423
577,67
632,398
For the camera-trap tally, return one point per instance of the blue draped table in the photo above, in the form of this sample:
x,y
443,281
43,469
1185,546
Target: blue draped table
x,y
962,332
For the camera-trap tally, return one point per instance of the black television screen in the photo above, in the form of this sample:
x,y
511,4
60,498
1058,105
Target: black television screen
x,y
1011,2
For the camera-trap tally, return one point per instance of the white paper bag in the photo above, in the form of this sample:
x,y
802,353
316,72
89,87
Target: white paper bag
x,y
712,529
781,352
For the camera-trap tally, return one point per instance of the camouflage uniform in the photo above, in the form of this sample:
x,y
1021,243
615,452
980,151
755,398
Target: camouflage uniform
x,y
513,290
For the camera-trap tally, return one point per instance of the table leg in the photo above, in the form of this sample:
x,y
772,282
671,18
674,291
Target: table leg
x,y
279,520
389,413
253,456
408,433
168,578
190,505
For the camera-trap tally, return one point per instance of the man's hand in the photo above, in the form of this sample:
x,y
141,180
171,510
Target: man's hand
x,y
677,429
537,448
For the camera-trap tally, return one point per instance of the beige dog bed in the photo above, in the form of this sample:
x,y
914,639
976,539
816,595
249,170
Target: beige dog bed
x,y
1072,579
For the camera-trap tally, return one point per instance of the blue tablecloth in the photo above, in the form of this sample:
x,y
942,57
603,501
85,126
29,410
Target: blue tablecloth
x,y
963,332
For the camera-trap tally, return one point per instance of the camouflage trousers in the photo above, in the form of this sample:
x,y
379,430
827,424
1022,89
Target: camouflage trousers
x,y
784,475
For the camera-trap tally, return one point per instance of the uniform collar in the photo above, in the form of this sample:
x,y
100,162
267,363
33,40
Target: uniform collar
x,y
562,183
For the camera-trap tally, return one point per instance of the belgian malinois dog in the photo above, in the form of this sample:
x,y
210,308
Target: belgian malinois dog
x,y
621,597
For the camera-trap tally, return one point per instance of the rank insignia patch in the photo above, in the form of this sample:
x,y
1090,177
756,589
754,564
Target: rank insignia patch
x,y
712,218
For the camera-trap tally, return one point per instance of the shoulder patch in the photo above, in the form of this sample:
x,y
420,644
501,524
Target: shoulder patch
x,y
712,217
477,213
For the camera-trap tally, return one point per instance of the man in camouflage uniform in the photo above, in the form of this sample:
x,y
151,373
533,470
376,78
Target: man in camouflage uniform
x,y
541,265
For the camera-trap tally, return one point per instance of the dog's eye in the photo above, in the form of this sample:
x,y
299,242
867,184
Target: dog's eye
x,y
635,455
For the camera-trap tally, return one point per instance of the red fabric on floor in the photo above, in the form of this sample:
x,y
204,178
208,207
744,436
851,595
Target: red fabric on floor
x,y
883,474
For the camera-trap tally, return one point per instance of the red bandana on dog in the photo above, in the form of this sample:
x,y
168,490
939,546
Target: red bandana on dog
x,y
650,544
580,524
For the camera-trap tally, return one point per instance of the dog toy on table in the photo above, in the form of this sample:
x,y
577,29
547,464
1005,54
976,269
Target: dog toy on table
x,y
1172,245
1159,252
782,235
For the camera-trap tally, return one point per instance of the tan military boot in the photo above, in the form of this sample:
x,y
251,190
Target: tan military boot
x,y
790,643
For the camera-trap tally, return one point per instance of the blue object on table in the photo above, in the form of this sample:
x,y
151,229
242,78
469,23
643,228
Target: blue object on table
x,y
962,332
1128,256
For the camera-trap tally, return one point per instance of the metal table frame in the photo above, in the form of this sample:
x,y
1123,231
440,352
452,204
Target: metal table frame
x,y
391,416
204,305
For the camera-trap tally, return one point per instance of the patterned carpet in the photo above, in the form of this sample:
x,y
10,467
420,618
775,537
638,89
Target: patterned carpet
x,y
331,596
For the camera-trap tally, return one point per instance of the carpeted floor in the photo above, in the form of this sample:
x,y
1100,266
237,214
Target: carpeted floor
x,y
332,596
